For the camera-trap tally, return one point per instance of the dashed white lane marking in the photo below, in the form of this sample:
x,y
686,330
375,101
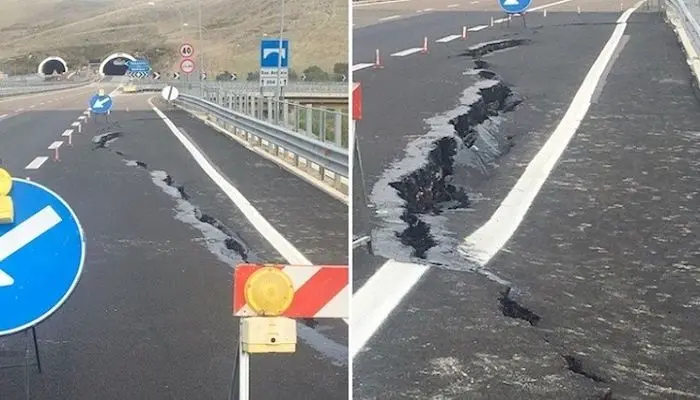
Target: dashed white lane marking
x,y
75,124
32,106
374,302
42,103
452,5
20,109
389,18
556,3
378,3
360,66
407,52
67,132
448,38
55,145
498,21
3,116
82,117
477,28
36,163
474,2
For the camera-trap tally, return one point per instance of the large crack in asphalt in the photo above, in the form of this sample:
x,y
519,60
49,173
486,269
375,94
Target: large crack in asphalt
x,y
417,189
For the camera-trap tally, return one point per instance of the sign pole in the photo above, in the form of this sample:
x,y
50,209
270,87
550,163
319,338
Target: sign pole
x,y
243,372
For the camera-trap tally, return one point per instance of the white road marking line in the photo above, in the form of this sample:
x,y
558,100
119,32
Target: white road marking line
x,y
427,10
361,66
82,117
67,132
448,6
360,241
448,38
373,302
78,123
282,245
378,3
23,234
495,21
556,3
407,52
3,116
486,241
472,2
22,109
36,163
55,145
371,305
42,103
477,28
32,106
389,18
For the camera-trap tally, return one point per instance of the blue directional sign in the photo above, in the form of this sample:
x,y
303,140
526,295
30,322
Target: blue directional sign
x,y
269,53
41,256
138,66
514,6
100,104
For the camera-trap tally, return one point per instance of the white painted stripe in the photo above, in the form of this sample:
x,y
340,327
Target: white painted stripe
x,y
426,10
82,117
556,3
300,274
378,3
486,241
360,241
22,109
448,6
407,52
495,21
473,2
477,28
67,132
78,123
36,163
32,106
28,230
389,18
3,116
87,112
374,301
360,66
448,38
55,145
338,306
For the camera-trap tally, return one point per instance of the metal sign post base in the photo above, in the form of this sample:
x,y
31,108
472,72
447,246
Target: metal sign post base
x,y
509,16
240,379
365,198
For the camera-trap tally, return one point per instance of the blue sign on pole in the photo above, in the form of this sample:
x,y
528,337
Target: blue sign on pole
x,y
41,256
514,6
100,104
138,66
269,53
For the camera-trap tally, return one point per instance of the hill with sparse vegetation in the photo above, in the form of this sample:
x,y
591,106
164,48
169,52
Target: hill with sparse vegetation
x,y
81,30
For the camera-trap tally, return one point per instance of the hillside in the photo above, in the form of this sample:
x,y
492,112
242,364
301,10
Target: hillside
x,y
79,30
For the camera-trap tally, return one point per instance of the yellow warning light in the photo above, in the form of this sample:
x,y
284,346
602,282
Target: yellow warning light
x,y
269,291
7,209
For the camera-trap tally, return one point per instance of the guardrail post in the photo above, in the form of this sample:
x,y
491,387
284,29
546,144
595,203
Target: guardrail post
x,y
253,100
338,124
270,110
322,123
285,114
309,121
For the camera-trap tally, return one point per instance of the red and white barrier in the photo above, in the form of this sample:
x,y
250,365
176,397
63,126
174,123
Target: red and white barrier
x,y
307,291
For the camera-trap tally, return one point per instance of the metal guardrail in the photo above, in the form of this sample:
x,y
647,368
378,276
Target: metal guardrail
x,y
18,90
326,155
295,89
684,15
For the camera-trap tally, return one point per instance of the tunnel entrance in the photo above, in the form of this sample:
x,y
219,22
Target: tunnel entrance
x,y
115,64
53,65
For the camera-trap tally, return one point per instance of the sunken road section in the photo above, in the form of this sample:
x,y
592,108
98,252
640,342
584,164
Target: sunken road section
x,y
428,190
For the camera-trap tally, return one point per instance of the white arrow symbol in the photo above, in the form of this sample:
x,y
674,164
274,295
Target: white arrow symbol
x,y
267,52
24,233
100,102
511,3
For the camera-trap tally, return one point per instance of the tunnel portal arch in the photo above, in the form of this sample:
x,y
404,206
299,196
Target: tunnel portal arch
x,y
52,64
108,67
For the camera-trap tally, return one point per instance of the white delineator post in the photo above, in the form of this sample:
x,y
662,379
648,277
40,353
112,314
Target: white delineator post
x,y
464,33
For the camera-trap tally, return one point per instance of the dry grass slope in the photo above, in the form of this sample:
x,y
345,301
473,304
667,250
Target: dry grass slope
x,y
82,29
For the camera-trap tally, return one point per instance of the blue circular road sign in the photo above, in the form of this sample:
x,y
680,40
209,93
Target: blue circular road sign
x,y
100,104
41,256
514,6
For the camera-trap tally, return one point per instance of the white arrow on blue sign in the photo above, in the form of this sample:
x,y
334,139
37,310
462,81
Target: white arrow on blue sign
x,y
100,104
514,6
41,256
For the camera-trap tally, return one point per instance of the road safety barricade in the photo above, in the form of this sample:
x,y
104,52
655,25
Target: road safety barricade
x,y
269,297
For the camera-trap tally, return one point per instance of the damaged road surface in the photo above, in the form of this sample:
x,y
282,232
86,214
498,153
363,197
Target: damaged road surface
x,y
154,302
596,296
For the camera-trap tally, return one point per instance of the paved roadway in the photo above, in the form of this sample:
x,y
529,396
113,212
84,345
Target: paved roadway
x,y
151,316
605,264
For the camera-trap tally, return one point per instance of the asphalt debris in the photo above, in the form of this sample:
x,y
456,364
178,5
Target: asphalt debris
x,y
482,49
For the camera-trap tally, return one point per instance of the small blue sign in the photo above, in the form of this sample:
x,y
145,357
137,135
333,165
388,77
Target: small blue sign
x,y
138,66
41,256
514,6
269,53
100,104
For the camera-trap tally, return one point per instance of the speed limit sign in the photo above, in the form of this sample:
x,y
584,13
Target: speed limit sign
x,y
187,66
186,50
